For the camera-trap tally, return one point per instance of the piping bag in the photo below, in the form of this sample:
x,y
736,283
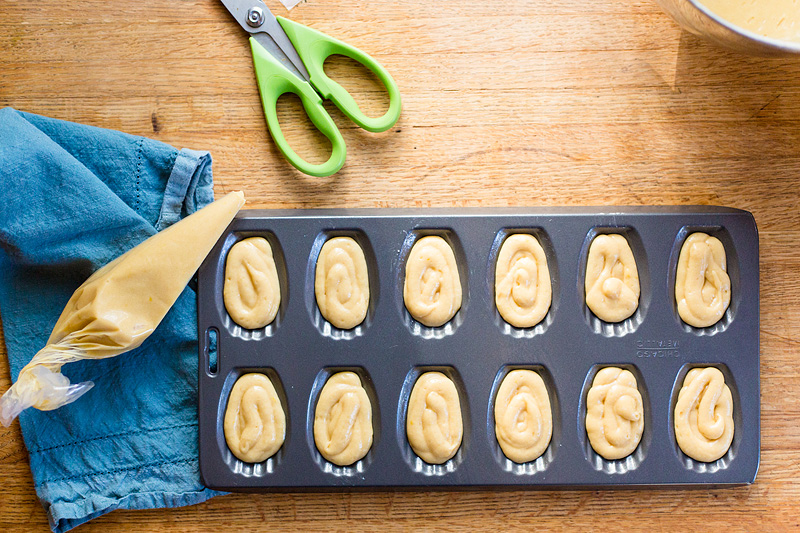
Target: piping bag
x,y
118,307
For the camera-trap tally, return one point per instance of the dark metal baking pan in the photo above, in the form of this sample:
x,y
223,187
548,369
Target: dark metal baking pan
x,y
390,349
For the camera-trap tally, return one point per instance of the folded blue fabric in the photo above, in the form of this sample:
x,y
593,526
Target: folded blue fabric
x,y
73,198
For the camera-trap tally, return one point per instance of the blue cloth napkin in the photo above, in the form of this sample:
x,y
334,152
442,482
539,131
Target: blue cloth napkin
x,y
73,197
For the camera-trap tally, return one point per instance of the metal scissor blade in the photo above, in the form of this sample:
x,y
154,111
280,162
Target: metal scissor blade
x,y
256,18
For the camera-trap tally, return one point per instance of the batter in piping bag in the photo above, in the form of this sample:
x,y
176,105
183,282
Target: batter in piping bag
x,y
118,307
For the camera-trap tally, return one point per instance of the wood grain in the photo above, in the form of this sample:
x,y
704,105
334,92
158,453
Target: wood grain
x,y
526,102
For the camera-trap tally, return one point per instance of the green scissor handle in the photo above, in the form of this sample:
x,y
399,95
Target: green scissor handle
x,y
275,80
314,48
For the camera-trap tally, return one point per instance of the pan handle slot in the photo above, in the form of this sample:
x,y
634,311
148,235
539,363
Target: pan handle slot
x,y
211,351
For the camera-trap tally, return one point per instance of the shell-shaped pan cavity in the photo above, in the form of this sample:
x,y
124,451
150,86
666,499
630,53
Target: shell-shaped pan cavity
x,y
362,464
738,428
546,459
552,264
632,461
232,327
236,465
412,459
415,327
632,323
324,327
733,270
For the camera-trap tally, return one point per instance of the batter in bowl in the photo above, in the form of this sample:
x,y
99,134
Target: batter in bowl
x,y
432,290
251,291
702,285
341,283
523,420
433,422
343,420
255,424
522,281
778,19
704,415
612,279
614,413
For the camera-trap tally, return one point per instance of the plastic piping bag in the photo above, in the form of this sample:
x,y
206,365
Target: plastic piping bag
x,y
118,307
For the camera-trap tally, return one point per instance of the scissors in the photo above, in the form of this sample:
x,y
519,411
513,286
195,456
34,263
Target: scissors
x,y
288,58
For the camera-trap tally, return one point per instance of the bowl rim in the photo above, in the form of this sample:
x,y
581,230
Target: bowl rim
x,y
782,45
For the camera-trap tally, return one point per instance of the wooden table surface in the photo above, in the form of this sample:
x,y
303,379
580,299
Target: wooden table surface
x,y
524,102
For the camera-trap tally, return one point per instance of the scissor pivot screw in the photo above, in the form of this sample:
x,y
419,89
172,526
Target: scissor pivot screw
x,y
255,17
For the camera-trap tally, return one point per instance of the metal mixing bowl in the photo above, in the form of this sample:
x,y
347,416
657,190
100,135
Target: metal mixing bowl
x,y
694,17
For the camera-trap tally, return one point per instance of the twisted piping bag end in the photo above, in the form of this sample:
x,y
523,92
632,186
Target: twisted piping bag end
x,y
42,388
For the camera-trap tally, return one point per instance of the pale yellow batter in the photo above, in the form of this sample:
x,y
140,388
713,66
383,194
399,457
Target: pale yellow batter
x,y
704,415
614,413
522,281
343,420
612,279
702,285
341,283
433,422
523,420
779,19
432,290
255,424
251,291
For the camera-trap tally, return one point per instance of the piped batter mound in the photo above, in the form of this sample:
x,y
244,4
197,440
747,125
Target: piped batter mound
x,y
614,413
432,290
522,281
433,422
702,284
522,416
612,279
343,420
255,424
704,415
341,283
251,292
